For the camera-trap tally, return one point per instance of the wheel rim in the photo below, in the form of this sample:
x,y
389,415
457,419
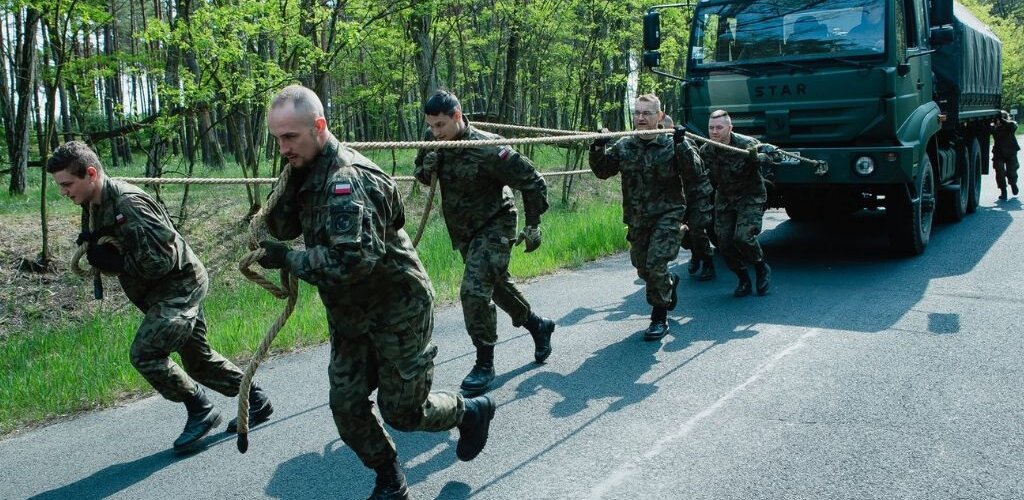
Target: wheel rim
x,y
927,201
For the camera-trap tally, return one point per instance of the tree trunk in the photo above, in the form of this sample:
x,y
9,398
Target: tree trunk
x,y
506,108
26,85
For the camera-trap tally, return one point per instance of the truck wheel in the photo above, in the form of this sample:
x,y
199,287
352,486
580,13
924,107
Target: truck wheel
x,y
974,159
955,197
910,212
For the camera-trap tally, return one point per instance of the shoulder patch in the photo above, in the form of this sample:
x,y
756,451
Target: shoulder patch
x,y
120,219
342,188
504,152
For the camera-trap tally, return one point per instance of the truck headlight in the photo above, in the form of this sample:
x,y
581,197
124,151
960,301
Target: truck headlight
x,y
864,165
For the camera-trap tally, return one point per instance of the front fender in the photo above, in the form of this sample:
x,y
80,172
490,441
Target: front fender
x,y
917,130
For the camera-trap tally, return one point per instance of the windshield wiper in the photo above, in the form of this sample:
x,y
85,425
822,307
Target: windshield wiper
x,y
856,64
737,68
799,67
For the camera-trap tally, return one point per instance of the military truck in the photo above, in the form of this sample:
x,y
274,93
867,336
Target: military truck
x,y
896,96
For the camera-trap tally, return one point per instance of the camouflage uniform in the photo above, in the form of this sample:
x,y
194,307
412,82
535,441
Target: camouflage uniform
x,y
699,207
378,297
739,201
167,282
1004,153
480,213
653,205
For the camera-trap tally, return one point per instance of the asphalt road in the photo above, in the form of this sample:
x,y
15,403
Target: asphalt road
x,y
861,375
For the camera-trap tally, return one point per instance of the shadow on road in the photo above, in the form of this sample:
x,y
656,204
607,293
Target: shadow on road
x,y
113,479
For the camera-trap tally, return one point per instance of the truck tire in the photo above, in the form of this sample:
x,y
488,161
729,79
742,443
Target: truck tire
x,y
955,197
977,165
910,211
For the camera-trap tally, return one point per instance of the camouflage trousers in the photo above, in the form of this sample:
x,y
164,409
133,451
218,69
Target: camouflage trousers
x,y
737,226
178,325
651,249
1006,170
696,240
486,282
397,360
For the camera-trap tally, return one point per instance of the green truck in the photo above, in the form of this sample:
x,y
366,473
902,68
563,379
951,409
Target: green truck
x,y
897,96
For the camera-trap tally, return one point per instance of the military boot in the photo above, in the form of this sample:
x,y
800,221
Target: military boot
x,y
708,273
764,276
482,373
1002,193
540,329
674,280
659,324
390,483
476,423
1013,188
744,286
694,266
202,418
259,409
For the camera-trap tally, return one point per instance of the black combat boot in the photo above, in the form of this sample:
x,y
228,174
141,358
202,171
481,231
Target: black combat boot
x,y
674,280
1013,188
708,273
202,418
540,329
476,423
390,484
764,276
743,288
1002,193
694,266
259,409
482,373
659,324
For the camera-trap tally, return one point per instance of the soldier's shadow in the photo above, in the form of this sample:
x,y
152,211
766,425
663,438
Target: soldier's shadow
x,y
337,472
631,305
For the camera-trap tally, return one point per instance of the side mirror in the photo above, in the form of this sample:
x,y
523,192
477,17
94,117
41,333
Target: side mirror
x,y
941,35
652,31
652,59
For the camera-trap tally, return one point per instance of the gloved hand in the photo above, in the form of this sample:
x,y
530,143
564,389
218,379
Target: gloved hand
x,y
599,144
276,253
105,257
530,235
430,163
83,237
773,153
679,135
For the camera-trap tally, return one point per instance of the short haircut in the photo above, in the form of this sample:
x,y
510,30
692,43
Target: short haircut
x,y
75,157
650,98
306,102
667,121
720,113
442,102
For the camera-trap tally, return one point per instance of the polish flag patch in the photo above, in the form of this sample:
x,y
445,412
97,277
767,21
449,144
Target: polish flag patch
x,y
120,218
504,152
342,188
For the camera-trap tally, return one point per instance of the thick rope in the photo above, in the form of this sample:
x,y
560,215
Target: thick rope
x,y
426,211
289,289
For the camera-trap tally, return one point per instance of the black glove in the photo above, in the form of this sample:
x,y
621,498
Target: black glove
x,y
83,237
679,135
599,144
105,257
275,254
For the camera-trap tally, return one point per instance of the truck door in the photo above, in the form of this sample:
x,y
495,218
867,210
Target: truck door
x,y
914,72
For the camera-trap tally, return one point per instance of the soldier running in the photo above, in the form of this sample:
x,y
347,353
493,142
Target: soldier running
x,y
379,300
480,213
700,207
653,203
1004,153
163,278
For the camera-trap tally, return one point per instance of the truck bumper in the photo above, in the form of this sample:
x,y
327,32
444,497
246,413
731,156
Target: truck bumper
x,y
893,165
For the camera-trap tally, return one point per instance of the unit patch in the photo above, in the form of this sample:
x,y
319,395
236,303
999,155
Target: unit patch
x,y
120,218
504,151
342,188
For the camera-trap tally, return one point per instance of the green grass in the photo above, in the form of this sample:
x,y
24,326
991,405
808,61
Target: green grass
x,y
49,372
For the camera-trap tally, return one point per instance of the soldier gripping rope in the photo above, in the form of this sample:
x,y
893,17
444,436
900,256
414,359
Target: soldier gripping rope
x,y
129,234
379,299
653,203
740,197
479,211
700,208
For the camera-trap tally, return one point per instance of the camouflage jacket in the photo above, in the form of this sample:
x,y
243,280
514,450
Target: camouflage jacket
x,y
350,214
1004,137
158,264
700,195
736,178
475,185
653,173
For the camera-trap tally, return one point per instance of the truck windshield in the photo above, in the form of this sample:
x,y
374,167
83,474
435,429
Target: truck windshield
x,y
766,31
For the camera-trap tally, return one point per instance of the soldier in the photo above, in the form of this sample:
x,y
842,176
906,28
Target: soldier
x,y
379,300
1004,153
740,197
164,279
653,204
480,213
699,215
